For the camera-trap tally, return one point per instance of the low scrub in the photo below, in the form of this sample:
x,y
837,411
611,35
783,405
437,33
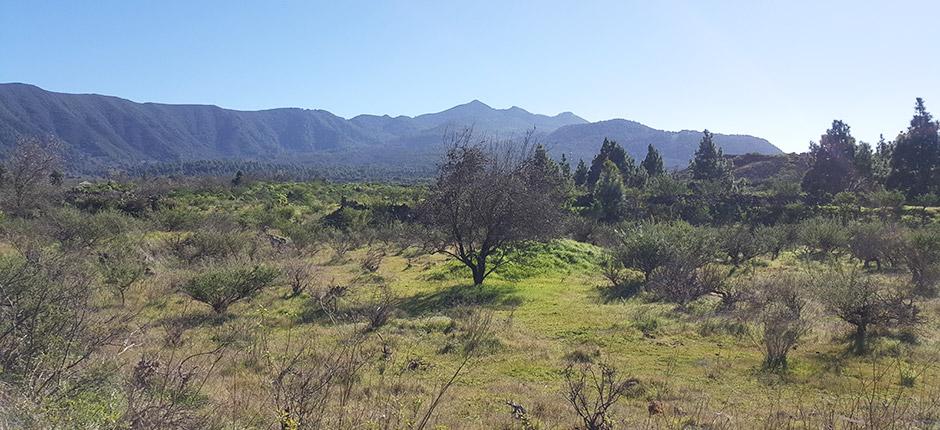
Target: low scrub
x,y
223,286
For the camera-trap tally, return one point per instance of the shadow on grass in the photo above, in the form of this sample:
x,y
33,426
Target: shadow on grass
x,y
502,296
194,319
622,291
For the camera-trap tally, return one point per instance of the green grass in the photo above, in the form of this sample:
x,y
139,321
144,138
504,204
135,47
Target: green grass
x,y
550,304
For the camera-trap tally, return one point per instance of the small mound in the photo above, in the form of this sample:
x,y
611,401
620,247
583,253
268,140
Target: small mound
x,y
563,256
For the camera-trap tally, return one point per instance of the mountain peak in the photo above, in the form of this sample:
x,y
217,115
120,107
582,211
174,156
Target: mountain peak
x,y
475,104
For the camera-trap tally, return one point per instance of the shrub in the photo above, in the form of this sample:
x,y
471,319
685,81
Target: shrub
x,y
780,309
169,394
49,332
211,244
740,243
178,218
379,309
921,253
299,275
649,246
591,390
684,280
777,238
121,267
678,255
220,287
865,301
371,261
875,242
887,202
823,237
75,229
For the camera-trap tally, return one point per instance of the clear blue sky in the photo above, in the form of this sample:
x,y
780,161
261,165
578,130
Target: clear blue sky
x,y
780,70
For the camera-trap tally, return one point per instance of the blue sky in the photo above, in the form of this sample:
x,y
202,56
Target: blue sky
x,y
782,70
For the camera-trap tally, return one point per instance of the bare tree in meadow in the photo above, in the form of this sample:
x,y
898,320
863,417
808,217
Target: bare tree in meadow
x,y
491,194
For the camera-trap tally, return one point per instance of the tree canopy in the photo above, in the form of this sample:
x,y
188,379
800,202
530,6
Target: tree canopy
x,y
915,158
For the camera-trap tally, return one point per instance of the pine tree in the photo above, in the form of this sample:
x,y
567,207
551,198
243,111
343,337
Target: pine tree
x,y
565,167
915,161
833,167
864,161
881,161
548,169
653,163
580,173
709,162
611,150
609,199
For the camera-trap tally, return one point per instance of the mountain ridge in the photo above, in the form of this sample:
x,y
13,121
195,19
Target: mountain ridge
x,y
104,130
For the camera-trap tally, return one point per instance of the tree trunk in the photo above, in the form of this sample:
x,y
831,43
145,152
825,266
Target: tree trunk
x,y
479,272
861,332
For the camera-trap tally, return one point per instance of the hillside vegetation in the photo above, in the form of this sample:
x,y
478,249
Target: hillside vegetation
x,y
511,292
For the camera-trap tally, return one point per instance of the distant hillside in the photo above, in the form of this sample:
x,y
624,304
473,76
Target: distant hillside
x,y
103,131
759,168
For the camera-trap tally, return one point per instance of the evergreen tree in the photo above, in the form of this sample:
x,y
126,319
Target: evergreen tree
x,y
653,163
864,161
915,161
609,199
565,167
580,173
833,167
237,180
611,150
881,161
709,162
546,167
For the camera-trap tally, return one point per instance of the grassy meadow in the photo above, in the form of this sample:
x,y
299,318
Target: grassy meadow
x,y
403,317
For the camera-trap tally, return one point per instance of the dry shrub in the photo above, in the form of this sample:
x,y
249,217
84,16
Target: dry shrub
x,y
591,390
167,392
299,275
779,306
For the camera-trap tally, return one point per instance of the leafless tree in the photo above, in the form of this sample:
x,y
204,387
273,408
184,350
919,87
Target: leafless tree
x,y
30,169
489,195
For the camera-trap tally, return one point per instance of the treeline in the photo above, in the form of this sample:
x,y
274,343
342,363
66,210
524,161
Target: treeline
x,y
270,171
842,173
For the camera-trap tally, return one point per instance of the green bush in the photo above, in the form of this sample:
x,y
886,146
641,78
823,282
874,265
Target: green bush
x,y
823,237
740,243
777,238
875,242
76,229
649,246
865,301
210,244
178,218
922,256
220,287
121,267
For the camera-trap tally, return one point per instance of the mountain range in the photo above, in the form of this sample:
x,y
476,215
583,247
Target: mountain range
x,y
104,132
